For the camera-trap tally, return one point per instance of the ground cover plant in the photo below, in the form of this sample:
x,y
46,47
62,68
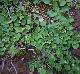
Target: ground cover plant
x,y
47,32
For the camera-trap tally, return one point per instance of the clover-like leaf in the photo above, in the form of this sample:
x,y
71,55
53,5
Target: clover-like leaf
x,y
42,71
62,2
51,13
43,23
75,46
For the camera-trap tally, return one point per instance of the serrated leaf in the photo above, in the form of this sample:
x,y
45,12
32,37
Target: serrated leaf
x,y
17,36
21,17
36,1
13,50
14,17
19,29
54,46
68,0
41,19
57,40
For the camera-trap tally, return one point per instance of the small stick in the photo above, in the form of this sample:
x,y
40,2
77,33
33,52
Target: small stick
x,y
8,69
14,67
2,64
9,13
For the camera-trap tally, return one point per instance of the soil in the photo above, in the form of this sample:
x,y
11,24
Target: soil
x,y
76,53
40,11
75,13
15,65
19,63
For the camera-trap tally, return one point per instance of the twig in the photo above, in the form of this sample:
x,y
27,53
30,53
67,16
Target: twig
x,y
9,13
2,64
14,67
8,69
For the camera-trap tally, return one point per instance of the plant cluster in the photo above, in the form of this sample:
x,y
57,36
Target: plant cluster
x,y
52,40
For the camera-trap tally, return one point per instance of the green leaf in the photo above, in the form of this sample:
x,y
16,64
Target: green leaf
x,y
58,66
16,24
62,2
13,50
75,46
51,13
28,27
43,23
29,20
46,1
42,71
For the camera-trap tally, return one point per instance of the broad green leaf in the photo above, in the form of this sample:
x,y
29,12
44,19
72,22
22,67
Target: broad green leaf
x,y
12,50
68,0
34,64
53,45
62,2
14,17
43,23
71,19
46,1
16,24
21,17
17,36
57,40
75,46
42,71
70,27
67,67
58,66
29,20
19,29
28,27
51,13
41,19
36,1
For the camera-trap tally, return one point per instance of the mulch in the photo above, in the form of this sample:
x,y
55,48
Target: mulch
x,y
15,65
75,13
